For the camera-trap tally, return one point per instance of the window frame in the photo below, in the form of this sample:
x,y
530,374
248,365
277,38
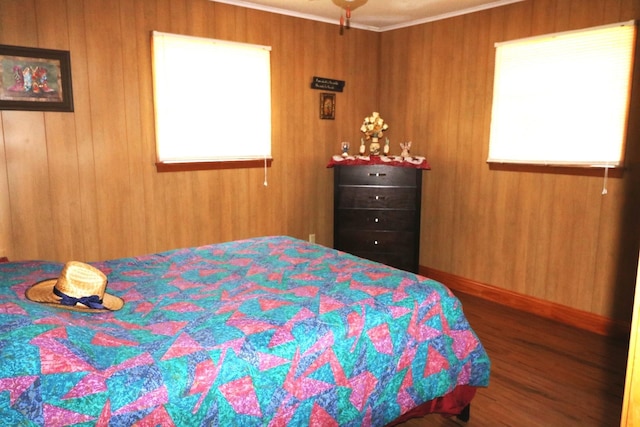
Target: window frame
x,y
553,164
181,116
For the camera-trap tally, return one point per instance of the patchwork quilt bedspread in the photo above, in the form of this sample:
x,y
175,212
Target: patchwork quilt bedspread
x,y
269,331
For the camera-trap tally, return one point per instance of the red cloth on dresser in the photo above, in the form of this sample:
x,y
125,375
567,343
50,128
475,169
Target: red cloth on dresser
x,y
415,162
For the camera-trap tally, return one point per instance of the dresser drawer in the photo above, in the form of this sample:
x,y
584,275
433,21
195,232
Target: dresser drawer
x,y
366,219
376,241
378,175
376,198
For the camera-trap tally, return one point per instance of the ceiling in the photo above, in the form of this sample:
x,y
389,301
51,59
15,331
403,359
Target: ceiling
x,y
373,15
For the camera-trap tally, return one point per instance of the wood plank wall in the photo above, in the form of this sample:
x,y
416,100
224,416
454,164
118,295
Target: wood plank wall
x,y
550,236
83,185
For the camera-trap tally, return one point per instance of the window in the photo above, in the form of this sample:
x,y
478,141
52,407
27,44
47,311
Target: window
x,y
562,99
212,101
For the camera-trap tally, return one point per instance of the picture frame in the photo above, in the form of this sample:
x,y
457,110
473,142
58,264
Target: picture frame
x,y
34,79
328,106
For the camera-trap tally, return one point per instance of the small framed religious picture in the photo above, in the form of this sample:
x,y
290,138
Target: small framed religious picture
x,y
328,106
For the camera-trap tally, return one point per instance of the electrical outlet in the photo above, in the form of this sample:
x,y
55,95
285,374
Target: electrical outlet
x,y
312,238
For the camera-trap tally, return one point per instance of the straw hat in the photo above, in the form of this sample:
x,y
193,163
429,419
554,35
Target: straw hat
x,y
80,287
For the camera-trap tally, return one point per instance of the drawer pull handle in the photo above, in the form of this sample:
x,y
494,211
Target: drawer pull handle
x,y
377,174
376,220
379,197
375,242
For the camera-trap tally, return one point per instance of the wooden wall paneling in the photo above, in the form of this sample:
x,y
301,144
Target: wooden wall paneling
x,y
62,153
461,122
438,211
299,121
243,192
64,187
106,79
204,209
27,172
261,209
87,190
8,34
29,214
406,121
271,196
198,15
543,13
134,72
572,240
584,17
6,232
541,219
481,257
417,123
395,109
473,145
177,11
484,263
323,132
562,15
365,81
629,8
610,249
224,21
228,207
332,63
308,157
455,191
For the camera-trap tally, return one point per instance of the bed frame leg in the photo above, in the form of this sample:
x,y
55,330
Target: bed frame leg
x,y
465,414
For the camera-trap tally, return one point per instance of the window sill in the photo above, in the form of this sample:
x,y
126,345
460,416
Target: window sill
x,y
199,166
614,172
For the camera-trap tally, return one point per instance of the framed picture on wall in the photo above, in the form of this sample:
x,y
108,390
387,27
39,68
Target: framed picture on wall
x,y
328,106
35,79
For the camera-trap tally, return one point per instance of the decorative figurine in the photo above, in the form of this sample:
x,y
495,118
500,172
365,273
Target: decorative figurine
x,y
373,128
386,147
362,147
406,146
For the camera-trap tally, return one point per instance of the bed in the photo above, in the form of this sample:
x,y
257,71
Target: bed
x,y
269,331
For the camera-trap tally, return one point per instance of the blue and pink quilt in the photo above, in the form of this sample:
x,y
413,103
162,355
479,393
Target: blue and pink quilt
x,y
269,331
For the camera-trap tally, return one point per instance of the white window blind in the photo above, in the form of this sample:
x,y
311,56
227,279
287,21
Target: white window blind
x,y
212,99
563,99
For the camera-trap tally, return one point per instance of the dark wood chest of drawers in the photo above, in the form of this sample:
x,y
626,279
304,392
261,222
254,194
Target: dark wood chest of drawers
x,y
377,213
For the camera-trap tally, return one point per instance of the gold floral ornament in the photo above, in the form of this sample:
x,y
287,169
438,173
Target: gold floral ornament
x,y
373,128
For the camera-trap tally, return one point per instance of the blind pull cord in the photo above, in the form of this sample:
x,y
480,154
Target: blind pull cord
x,y
265,183
606,176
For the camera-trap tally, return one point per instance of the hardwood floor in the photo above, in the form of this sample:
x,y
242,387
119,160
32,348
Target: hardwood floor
x,y
543,373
